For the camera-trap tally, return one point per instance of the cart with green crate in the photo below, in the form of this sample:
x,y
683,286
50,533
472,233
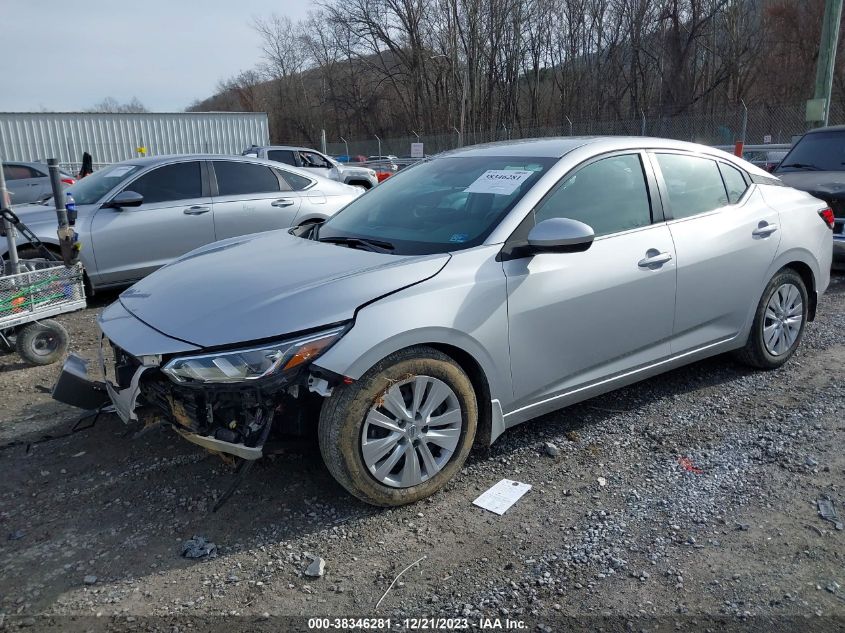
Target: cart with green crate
x,y
29,299
34,290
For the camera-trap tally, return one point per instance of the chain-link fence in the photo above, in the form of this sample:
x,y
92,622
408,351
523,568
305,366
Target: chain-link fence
x,y
763,124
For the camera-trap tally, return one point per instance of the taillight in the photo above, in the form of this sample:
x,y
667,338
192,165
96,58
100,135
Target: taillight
x,y
69,181
828,217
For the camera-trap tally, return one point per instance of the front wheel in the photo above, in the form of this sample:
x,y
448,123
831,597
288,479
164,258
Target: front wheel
x,y
403,430
778,323
42,343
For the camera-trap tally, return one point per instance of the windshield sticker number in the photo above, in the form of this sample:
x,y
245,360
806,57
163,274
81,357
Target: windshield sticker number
x,y
119,172
459,237
502,182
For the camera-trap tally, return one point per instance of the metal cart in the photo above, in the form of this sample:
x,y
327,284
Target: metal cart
x,y
28,300
32,291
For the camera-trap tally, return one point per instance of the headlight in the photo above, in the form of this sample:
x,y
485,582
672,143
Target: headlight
x,y
252,363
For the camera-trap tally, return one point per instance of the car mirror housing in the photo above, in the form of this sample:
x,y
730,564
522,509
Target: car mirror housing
x,y
560,235
125,199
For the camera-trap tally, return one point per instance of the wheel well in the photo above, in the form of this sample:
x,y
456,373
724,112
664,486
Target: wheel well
x,y
22,247
311,221
806,274
361,183
480,385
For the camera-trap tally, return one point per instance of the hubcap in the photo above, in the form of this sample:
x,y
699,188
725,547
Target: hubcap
x,y
45,344
783,319
411,432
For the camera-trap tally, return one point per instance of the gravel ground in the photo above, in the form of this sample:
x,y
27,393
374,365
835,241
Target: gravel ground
x,y
686,502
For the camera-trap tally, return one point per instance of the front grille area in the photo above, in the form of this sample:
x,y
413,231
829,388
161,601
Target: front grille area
x,y
187,408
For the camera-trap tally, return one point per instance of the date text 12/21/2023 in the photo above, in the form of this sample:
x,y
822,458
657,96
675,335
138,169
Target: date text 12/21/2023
x,y
415,624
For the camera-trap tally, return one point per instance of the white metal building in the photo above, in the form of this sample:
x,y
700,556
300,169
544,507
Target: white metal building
x,y
112,137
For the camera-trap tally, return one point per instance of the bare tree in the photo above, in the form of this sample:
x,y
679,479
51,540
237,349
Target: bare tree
x,y
110,104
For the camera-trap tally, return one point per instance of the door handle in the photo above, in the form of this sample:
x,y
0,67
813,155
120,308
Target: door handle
x,y
196,210
282,202
764,229
654,258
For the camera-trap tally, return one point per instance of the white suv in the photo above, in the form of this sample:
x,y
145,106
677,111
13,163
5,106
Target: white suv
x,y
312,160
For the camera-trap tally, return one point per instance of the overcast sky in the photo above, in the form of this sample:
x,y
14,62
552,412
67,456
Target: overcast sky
x,y
68,56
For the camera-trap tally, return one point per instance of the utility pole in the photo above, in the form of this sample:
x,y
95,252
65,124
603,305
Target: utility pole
x,y
819,113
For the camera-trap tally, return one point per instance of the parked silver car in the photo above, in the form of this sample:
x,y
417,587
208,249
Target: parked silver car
x,y
139,215
30,182
466,295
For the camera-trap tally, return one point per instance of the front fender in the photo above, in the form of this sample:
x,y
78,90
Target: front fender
x,y
463,306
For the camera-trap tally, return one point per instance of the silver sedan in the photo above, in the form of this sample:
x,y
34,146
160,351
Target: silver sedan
x,y
468,294
136,216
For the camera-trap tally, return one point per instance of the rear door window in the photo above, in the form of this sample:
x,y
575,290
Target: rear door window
x,y
238,179
180,181
694,184
285,156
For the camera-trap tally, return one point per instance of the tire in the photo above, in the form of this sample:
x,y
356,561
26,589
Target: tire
x,y
773,339
346,426
42,343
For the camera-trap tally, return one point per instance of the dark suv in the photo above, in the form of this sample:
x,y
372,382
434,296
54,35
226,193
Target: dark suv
x,y
816,164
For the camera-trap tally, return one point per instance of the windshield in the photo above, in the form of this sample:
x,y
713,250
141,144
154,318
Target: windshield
x,y
819,151
92,188
443,205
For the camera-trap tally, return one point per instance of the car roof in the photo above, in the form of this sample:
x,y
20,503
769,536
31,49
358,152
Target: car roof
x,y
25,163
560,146
829,128
295,148
149,161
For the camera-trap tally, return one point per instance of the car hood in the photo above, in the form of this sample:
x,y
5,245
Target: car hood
x,y
44,213
827,185
267,285
360,171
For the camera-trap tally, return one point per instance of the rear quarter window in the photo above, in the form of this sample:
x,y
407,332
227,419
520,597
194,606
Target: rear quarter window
x,y
296,182
735,182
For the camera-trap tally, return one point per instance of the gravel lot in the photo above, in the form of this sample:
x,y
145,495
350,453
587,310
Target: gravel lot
x,y
687,502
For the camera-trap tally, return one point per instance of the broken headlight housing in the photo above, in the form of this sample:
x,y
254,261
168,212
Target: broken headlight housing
x,y
253,363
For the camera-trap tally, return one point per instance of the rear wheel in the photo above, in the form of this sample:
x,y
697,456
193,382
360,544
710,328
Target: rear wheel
x,y
779,322
42,343
403,430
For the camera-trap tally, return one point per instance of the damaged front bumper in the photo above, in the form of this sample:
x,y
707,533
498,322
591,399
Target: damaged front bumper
x,y
232,421
237,418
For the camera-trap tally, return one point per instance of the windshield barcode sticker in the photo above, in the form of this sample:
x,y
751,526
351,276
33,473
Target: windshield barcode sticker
x,y
502,182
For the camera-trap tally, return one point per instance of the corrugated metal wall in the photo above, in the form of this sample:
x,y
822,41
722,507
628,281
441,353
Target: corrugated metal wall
x,y
111,138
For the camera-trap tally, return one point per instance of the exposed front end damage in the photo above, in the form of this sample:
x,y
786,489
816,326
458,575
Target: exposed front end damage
x,y
245,420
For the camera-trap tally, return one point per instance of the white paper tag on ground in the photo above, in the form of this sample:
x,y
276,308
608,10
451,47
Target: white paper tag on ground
x,y
499,181
502,496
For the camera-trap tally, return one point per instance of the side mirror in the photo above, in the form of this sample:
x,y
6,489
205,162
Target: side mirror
x,y
125,199
560,235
